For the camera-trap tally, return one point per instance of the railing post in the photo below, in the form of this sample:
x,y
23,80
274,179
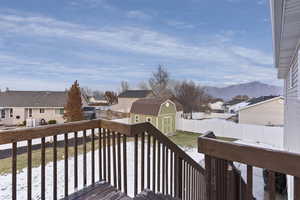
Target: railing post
x,y
208,176
296,188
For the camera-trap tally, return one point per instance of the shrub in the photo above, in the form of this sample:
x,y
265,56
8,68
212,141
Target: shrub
x,y
24,123
53,121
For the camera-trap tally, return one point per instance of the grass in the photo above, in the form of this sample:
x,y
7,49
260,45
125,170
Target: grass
x,y
189,139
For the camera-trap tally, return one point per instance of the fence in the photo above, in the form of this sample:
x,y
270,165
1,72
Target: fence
x,y
262,134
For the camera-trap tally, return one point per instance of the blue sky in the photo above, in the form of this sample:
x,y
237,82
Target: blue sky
x,y
46,45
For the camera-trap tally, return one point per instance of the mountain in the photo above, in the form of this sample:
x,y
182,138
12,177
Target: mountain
x,y
252,89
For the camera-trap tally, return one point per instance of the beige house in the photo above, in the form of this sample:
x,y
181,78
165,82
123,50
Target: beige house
x,y
126,99
18,106
267,111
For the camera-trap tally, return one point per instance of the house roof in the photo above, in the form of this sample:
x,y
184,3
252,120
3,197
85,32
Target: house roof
x,y
135,94
261,100
285,17
148,106
33,99
233,102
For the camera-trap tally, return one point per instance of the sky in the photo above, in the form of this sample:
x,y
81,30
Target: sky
x,y
47,45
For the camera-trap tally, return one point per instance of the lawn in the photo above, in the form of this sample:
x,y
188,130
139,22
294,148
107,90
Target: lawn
x,y
189,139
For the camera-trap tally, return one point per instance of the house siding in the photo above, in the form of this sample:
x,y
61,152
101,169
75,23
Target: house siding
x,y
268,113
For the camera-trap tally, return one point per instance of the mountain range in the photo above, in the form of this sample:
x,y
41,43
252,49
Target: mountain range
x,y
251,89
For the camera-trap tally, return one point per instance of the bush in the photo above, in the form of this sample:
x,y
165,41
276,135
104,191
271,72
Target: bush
x,y
53,121
280,182
24,123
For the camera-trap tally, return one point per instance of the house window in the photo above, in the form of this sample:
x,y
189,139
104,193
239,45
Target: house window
x,y
136,118
11,112
30,112
59,111
3,114
293,75
17,117
42,110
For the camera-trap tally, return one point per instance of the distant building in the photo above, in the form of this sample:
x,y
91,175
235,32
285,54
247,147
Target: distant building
x,y
18,106
160,112
267,110
126,99
216,106
234,105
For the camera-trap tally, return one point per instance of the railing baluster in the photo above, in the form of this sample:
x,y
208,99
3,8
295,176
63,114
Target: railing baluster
x,y
163,168
135,165
14,171
84,160
29,169
75,160
93,156
143,161
167,170
271,185
179,177
55,167
171,172
66,156
153,164
249,182
125,163
119,162
108,156
158,165
100,153
148,159
184,180
296,188
43,171
104,155
114,158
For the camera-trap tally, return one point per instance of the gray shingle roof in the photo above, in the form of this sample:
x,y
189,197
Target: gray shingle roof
x,y
33,99
135,94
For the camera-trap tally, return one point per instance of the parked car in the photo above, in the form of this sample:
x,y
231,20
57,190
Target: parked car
x,y
89,113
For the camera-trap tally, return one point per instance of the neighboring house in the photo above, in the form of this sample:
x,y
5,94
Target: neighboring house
x,y
286,40
18,106
158,111
234,105
263,111
94,100
126,99
216,106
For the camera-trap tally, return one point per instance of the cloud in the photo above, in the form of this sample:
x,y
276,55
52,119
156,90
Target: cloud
x,y
136,14
180,25
221,56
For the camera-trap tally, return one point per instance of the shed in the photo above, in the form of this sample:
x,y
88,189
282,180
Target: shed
x,y
160,112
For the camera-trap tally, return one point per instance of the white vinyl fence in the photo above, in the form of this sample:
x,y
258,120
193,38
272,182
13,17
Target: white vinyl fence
x,y
260,134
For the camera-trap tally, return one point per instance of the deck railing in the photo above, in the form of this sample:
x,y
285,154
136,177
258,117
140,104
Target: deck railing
x,y
222,180
159,164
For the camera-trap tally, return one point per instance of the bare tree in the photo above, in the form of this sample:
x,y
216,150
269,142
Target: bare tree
x,y
192,97
159,81
143,85
111,97
73,108
98,94
124,86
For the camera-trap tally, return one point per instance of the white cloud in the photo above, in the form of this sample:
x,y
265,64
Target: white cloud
x,y
136,14
180,24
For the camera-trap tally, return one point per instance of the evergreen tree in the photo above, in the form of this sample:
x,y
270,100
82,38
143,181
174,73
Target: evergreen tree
x,y
73,108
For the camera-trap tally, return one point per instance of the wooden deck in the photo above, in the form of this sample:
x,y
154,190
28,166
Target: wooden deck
x,y
104,191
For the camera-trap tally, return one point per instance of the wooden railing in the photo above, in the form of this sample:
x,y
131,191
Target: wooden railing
x,y
222,178
159,164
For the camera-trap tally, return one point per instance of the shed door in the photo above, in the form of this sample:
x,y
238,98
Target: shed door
x,y
167,125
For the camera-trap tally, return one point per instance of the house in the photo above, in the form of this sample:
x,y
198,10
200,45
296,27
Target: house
x,y
266,110
286,41
234,105
160,112
126,99
18,106
216,106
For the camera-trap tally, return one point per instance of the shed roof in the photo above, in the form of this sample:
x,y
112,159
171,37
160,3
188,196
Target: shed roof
x,y
135,94
33,98
148,106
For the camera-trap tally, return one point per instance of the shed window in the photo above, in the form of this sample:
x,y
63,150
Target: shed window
x,y
30,112
2,114
11,112
42,110
59,111
136,118
149,119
